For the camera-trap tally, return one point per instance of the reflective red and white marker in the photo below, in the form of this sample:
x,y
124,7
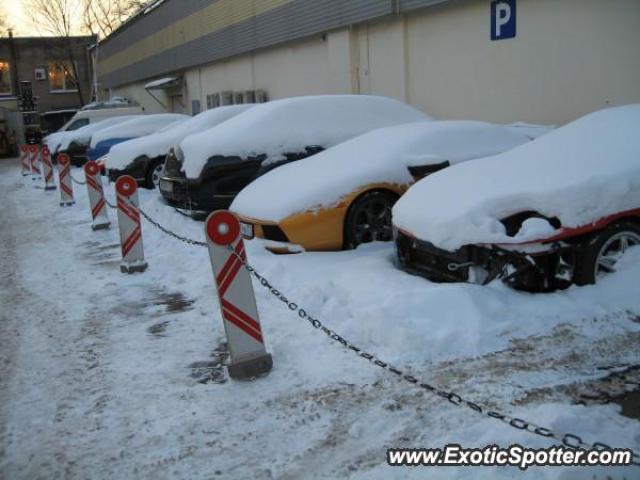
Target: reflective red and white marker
x,y
25,161
129,225
34,153
100,218
249,358
47,169
64,176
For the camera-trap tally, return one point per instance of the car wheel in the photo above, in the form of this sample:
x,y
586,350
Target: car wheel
x,y
153,175
600,255
369,219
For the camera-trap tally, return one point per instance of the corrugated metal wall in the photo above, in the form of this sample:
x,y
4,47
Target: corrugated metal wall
x,y
184,33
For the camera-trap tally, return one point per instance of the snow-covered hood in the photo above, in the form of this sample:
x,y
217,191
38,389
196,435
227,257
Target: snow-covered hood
x,y
137,127
83,135
290,125
578,173
159,143
382,155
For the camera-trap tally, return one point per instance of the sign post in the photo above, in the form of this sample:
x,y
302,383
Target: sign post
x,y
64,174
24,160
96,196
47,169
33,159
249,358
129,225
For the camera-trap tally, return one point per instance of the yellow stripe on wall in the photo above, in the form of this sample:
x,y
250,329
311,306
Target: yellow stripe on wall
x,y
215,17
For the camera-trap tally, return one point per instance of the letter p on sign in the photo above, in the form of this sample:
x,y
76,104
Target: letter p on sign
x,y
503,19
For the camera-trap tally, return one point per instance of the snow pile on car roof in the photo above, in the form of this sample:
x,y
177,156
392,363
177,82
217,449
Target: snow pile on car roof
x,y
290,125
380,156
137,127
52,141
579,173
159,143
83,135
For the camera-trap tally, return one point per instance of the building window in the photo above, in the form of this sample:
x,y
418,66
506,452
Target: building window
x,y
61,77
5,78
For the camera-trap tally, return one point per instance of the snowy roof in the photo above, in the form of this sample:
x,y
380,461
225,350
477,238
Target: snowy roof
x,y
55,112
382,155
159,143
160,83
137,127
291,124
114,102
578,173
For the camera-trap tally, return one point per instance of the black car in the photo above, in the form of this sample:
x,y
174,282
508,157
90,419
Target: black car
x,y
222,161
221,179
146,171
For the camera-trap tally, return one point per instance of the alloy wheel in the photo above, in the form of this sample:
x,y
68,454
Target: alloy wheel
x,y
612,250
373,221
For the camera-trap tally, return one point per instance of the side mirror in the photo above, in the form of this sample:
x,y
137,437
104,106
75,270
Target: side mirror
x,y
420,171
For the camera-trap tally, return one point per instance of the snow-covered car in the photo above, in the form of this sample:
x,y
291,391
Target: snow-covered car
x,y
76,142
343,196
103,140
88,116
208,169
563,208
143,158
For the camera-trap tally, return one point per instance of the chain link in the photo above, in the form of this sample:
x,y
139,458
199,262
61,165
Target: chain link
x,y
165,230
109,203
568,439
78,182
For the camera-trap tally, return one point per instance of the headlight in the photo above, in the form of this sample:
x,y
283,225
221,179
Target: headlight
x,y
179,154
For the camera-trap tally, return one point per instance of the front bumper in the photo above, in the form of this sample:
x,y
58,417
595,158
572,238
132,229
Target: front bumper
x,y
192,195
546,270
273,237
424,259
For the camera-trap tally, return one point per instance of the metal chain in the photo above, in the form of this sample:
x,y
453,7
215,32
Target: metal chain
x,y
182,213
165,230
568,439
109,203
76,181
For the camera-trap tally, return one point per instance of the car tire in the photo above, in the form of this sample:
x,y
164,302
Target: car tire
x,y
599,255
369,219
152,178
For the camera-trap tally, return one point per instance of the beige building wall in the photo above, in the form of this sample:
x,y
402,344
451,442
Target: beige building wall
x,y
569,57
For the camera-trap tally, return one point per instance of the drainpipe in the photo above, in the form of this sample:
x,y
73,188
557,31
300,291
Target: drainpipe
x,y
14,67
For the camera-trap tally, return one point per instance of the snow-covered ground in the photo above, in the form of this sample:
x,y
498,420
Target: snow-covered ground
x,y
101,373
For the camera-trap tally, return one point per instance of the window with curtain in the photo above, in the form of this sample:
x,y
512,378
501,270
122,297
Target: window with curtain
x,y
5,78
61,77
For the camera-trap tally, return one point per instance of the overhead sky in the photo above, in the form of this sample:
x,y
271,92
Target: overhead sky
x,y
14,12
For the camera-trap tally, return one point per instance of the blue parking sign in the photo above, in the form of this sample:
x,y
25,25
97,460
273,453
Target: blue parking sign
x,y
503,19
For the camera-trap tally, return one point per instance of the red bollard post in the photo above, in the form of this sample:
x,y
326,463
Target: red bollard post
x,y
64,174
47,169
129,225
25,161
97,203
249,357
33,156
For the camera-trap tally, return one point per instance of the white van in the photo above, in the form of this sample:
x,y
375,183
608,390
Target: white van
x,y
89,114
86,117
